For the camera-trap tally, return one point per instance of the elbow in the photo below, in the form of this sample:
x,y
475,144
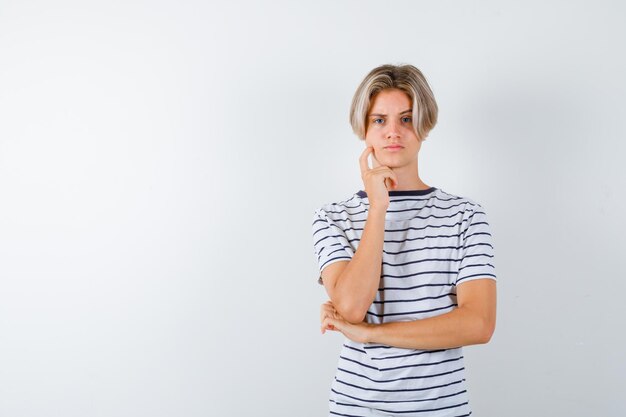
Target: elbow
x,y
352,313
486,331
356,317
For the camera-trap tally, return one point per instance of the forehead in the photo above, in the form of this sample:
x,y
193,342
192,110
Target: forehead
x,y
390,100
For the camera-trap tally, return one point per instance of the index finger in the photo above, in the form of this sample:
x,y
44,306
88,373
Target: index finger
x,y
375,163
363,159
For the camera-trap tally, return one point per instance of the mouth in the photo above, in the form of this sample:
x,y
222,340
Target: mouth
x,y
394,147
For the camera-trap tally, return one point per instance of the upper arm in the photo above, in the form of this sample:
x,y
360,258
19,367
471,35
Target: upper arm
x,y
477,252
330,275
479,296
330,245
476,278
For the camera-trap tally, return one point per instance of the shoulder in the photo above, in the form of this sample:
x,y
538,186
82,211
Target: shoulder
x,y
467,204
340,210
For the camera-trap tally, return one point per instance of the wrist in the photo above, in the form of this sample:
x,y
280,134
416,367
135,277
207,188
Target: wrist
x,y
371,333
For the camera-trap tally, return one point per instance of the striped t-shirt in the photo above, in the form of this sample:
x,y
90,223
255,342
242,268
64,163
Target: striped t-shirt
x,y
434,241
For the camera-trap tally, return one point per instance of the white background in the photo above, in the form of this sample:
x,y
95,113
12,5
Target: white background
x,y
160,163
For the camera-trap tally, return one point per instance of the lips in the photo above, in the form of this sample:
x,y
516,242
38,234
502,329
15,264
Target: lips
x,y
394,147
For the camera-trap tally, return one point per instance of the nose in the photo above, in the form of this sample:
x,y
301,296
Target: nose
x,y
393,130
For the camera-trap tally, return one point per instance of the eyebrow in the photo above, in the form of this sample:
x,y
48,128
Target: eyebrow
x,y
384,115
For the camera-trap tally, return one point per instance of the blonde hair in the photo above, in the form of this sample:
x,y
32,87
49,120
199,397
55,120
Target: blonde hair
x,y
402,77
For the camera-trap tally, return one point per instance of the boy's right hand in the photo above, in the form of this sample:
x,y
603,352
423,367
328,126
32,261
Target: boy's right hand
x,y
377,180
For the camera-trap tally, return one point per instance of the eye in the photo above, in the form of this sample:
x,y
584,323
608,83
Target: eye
x,y
407,119
374,120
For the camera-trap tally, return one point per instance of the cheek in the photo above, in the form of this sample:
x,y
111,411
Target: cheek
x,y
371,139
377,146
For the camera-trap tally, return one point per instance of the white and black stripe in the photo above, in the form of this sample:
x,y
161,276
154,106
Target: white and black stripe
x,y
433,241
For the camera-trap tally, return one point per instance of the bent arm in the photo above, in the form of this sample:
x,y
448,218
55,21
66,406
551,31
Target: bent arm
x,y
352,285
473,322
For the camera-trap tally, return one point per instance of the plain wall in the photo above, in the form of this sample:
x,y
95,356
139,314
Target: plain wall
x,y
160,163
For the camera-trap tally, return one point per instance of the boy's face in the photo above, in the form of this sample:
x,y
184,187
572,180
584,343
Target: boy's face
x,y
389,129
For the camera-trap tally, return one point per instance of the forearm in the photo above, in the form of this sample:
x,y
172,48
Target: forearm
x,y
358,284
460,327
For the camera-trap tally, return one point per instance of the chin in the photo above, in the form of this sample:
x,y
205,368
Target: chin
x,y
392,162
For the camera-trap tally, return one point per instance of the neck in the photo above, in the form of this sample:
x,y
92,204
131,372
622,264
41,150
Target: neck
x,y
408,178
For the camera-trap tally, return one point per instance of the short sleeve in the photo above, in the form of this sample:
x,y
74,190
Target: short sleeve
x,y
477,252
330,243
